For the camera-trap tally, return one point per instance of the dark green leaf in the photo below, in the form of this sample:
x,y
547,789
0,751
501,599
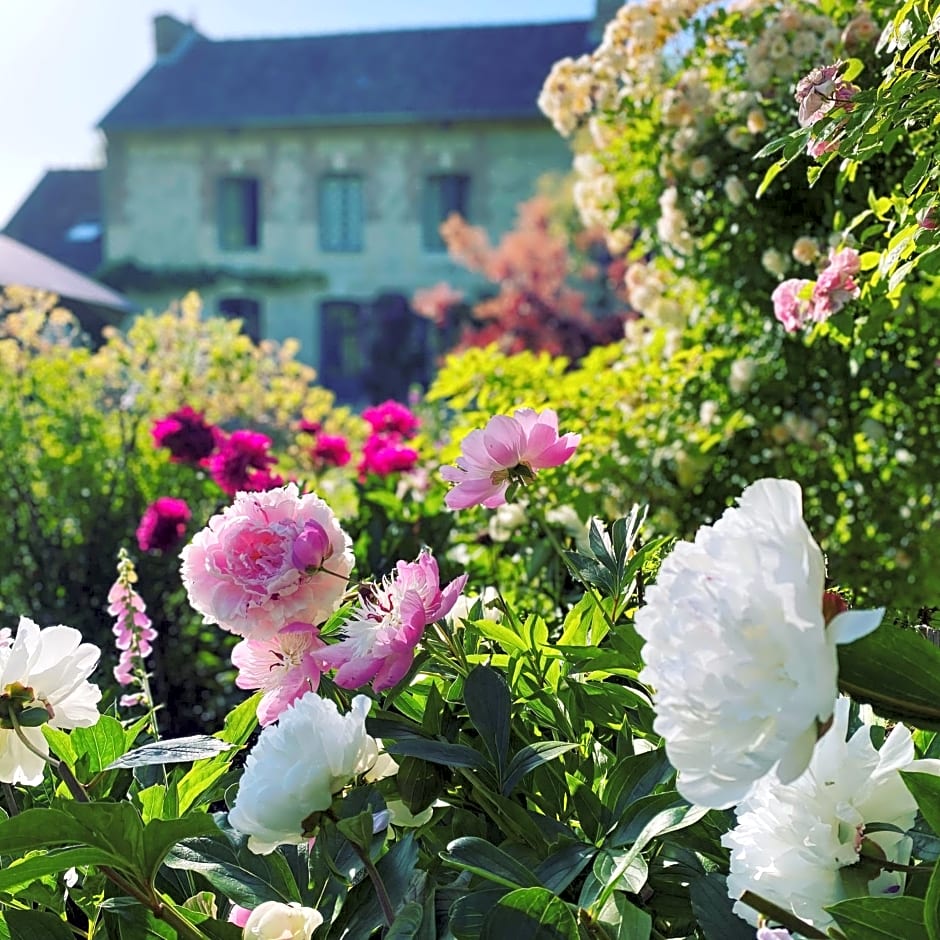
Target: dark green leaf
x,y
37,828
625,920
160,835
469,911
932,906
563,866
486,860
36,925
407,922
530,914
176,751
925,788
712,908
530,757
489,704
437,752
419,783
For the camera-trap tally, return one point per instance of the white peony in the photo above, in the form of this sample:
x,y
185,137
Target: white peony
x,y
795,844
273,920
297,766
742,664
43,668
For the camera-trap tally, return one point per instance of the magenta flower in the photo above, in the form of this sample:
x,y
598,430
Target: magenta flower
x,y
792,303
330,450
133,629
306,426
381,636
392,417
284,665
250,569
508,450
186,434
163,525
242,464
383,455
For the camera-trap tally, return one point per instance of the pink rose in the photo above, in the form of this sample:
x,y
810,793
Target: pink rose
x,y
508,450
835,286
791,301
250,569
381,635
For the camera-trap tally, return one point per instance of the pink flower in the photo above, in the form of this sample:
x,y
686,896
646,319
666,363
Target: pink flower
x,y
305,426
791,300
186,434
383,454
436,302
392,417
243,573
381,636
242,464
820,91
331,450
508,450
133,629
163,525
283,665
239,915
835,286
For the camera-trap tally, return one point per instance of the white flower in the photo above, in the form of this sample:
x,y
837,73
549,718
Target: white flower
x,y
43,668
742,664
297,765
273,920
795,844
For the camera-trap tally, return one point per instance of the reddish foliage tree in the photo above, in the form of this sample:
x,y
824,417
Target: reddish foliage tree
x,y
536,306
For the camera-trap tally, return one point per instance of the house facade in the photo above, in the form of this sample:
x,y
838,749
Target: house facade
x,y
299,183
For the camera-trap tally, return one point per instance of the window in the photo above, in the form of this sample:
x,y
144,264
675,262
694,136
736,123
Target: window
x,y
443,194
238,212
344,348
340,212
246,310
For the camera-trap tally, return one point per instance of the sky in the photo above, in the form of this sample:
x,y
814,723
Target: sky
x,y
64,63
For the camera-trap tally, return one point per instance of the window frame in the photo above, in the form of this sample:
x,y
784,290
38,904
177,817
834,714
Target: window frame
x,y
349,226
246,217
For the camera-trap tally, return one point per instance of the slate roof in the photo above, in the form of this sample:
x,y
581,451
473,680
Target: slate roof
x,y
61,200
462,73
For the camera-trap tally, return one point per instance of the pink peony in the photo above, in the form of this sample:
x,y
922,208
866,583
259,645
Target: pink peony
x,y
242,464
381,636
250,570
383,455
330,450
508,450
163,525
392,417
186,434
791,300
283,665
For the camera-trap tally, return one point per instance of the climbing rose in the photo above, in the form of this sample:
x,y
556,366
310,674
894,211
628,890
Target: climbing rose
x,y
297,766
508,450
792,304
836,286
163,525
186,434
381,635
283,665
242,464
267,560
43,669
274,920
793,843
741,663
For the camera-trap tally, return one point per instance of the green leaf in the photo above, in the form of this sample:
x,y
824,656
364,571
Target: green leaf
x,y
407,922
100,744
489,704
625,920
925,788
437,752
52,861
530,757
530,914
37,828
895,671
932,905
486,860
37,925
562,867
419,783
357,829
160,835
881,918
712,908
469,911
113,827
195,747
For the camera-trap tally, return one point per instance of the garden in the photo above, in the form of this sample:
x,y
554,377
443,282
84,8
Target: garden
x,y
626,628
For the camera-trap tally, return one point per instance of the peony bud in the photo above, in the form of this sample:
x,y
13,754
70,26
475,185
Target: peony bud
x,y
273,920
311,547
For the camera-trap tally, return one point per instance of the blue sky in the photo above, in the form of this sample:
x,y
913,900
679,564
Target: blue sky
x,y
65,62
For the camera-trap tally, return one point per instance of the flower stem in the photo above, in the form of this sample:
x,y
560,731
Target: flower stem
x,y
381,893
9,797
781,916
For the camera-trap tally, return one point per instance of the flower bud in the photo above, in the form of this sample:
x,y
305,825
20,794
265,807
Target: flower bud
x,y
311,548
274,920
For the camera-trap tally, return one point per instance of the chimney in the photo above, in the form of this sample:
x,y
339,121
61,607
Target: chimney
x,y
604,12
169,34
